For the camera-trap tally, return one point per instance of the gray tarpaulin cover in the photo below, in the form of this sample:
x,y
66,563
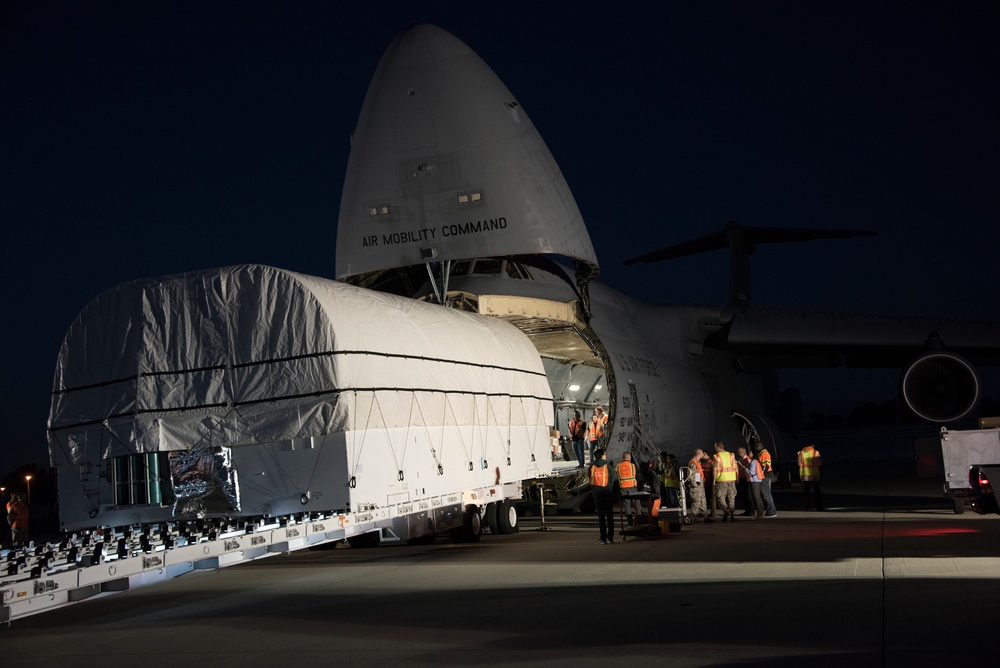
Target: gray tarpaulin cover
x,y
198,362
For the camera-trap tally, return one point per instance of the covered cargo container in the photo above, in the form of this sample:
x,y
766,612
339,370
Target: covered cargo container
x,y
253,391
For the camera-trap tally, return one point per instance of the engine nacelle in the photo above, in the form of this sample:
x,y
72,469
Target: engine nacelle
x,y
940,387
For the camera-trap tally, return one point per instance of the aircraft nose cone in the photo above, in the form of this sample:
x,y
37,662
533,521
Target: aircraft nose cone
x,y
424,44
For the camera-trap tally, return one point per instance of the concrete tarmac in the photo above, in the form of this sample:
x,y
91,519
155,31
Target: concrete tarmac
x,y
889,575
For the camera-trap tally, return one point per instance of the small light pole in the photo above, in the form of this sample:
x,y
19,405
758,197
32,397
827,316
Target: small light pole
x,y
27,479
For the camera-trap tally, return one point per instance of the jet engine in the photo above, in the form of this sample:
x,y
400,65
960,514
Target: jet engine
x,y
940,387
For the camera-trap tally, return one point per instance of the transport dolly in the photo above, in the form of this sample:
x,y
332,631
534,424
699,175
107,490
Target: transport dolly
x,y
637,500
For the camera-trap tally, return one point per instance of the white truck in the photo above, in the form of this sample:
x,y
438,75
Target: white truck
x,y
971,461
216,417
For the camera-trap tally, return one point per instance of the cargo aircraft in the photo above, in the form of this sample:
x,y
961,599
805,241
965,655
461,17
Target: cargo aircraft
x,y
452,196
225,415
253,392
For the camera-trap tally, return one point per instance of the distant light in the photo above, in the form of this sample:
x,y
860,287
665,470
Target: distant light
x,y
597,387
574,388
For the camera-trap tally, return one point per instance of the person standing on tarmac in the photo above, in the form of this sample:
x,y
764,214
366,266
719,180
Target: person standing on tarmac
x,y
743,482
708,468
604,500
764,457
577,433
627,484
755,478
696,487
17,517
725,481
810,462
666,474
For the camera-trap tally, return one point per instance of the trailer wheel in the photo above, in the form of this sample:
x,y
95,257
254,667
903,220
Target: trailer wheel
x,y
507,517
472,526
492,512
688,520
365,540
959,506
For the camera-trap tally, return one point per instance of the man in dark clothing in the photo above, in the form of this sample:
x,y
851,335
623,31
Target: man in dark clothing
x,y
602,489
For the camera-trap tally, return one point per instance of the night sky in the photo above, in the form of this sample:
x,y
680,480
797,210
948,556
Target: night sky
x,y
140,139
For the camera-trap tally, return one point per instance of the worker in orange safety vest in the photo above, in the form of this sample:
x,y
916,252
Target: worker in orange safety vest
x,y
577,433
598,423
725,481
696,487
764,457
627,484
603,493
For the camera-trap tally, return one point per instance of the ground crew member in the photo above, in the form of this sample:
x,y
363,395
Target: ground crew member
x,y
743,482
725,481
708,468
810,462
755,478
577,434
764,457
604,499
696,487
627,483
597,425
666,475
17,517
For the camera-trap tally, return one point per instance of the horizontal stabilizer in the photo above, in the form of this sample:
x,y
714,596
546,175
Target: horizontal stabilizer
x,y
746,237
742,242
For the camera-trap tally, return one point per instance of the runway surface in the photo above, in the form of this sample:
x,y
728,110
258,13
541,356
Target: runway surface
x,y
888,576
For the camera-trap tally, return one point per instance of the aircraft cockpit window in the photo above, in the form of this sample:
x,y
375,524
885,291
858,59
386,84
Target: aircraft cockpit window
x,y
460,268
487,267
517,270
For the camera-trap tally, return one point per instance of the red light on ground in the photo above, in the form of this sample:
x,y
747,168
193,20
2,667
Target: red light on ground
x,y
936,531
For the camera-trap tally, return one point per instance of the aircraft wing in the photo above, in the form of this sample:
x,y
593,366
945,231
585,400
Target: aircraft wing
x,y
785,338
937,356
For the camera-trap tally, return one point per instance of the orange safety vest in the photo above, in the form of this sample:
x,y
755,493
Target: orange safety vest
x,y
764,457
577,429
808,464
626,474
741,472
757,471
599,475
725,466
597,426
697,473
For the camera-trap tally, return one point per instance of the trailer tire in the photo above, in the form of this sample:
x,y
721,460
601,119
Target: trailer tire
x,y
959,506
491,514
472,526
507,517
365,540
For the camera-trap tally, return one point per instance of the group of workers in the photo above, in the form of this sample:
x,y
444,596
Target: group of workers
x,y
748,473
591,431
